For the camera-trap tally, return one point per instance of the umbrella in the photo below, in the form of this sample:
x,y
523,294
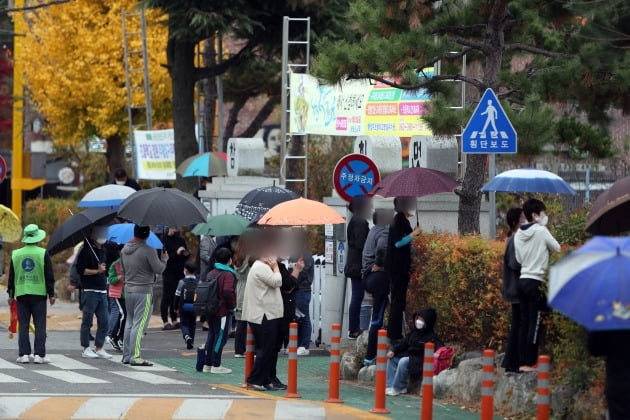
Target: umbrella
x,y
163,206
73,230
530,181
223,225
609,214
106,196
260,200
301,212
414,182
205,164
10,226
122,233
592,284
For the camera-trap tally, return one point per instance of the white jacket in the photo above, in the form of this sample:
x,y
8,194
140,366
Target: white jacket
x,y
262,294
532,243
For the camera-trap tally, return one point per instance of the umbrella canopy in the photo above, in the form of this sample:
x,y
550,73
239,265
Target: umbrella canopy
x,y
10,226
414,182
163,206
111,195
301,212
74,230
122,233
528,180
223,225
609,213
260,200
204,164
592,285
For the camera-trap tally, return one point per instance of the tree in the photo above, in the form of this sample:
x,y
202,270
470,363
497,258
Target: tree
x,y
75,72
528,51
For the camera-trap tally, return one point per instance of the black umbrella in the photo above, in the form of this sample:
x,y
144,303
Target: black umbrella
x,y
163,206
74,230
609,213
259,201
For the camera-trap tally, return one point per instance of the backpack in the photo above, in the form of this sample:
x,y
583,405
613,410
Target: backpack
x,y
188,290
442,359
206,296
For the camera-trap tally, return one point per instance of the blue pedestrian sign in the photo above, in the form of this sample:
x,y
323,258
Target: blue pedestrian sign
x,y
355,175
489,130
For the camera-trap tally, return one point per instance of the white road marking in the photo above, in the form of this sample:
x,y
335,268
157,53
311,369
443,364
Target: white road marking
x,y
117,358
13,407
104,408
6,379
150,378
289,410
71,377
62,362
203,409
5,364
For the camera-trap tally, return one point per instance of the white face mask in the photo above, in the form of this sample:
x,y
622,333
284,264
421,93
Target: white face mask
x,y
101,241
542,220
419,324
120,182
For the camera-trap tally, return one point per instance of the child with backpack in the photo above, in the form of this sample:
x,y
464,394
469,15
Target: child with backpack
x,y
184,302
118,312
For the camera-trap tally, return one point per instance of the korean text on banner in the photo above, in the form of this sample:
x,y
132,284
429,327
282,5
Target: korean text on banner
x,y
155,154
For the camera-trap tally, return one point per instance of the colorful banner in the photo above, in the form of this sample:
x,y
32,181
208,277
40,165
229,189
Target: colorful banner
x,y
155,154
356,107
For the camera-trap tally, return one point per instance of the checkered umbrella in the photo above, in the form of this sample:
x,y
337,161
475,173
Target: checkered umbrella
x,y
414,182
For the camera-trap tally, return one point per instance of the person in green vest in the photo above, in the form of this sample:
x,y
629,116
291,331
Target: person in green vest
x,y
31,280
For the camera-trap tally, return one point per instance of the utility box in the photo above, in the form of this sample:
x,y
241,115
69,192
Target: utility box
x,y
385,151
246,157
432,152
34,165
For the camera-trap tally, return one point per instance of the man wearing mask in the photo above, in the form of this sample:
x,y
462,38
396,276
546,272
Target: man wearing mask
x,y
91,266
532,244
176,248
121,178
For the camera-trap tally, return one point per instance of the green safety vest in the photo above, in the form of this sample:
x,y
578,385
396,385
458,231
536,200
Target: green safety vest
x,y
28,268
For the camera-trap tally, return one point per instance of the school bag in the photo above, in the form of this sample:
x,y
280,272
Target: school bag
x,y
187,297
206,300
442,359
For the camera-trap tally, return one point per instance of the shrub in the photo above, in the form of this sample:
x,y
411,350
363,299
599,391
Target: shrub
x,y
48,213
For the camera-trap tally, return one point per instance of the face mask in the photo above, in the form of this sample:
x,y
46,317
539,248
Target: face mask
x,y
120,182
101,241
542,221
419,324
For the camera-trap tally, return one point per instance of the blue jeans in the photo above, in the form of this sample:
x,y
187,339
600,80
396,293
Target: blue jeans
x,y
218,331
94,303
397,372
354,312
302,304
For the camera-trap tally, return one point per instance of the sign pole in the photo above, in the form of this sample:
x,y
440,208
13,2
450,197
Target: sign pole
x,y
492,211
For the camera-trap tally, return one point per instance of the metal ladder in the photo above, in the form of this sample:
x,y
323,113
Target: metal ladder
x,y
287,68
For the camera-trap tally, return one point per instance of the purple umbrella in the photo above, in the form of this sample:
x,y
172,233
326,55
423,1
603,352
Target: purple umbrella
x,y
414,182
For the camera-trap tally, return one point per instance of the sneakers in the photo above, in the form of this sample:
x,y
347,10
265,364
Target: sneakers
x,y
108,340
220,369
392,392
168,327
102,354
207,369
257,387
354,335
189,342
23,359
303,351
114,345
88,353
369,362
239,356
41,360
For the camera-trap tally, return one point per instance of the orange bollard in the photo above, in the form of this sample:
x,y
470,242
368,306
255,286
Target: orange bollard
x,y
335,360
427,382
381,374
292,374
487,386
544,393
249,355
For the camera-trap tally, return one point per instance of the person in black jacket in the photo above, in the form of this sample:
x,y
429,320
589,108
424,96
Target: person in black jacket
x,y
614,346
511,274
121,178
357,233
178,252
406,358
398,263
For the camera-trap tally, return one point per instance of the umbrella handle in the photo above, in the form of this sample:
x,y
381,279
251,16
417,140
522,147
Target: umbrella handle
x,y
98,260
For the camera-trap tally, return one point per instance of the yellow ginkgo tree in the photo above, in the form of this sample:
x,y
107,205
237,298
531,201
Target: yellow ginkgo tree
x,y
74,71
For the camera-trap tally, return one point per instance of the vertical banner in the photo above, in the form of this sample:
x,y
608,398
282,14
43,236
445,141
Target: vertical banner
x,y
155,154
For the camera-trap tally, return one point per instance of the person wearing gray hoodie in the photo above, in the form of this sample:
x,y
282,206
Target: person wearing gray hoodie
x,y
140,265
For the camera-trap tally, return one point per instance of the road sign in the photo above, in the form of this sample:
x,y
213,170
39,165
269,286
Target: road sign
x,y
489,130
355,175
3,169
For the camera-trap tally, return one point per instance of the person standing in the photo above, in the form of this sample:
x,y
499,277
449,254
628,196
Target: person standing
x,y
532,244
511,273
207,244
91,266
242,263
303,301
184,301
117,312
140,264
31,281
357,233
398,263
175,246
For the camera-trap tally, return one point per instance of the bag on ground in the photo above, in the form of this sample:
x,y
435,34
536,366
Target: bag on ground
x,y
442,359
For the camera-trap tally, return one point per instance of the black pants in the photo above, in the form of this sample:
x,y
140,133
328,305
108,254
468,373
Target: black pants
x,y
266,337
31,306
618,407
511,361
167,305
118,331
532,302
399,285
354,311
240,337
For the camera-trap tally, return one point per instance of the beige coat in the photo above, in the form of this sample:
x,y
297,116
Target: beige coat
x,y
262,294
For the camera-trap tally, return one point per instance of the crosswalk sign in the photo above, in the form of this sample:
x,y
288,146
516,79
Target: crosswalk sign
x,y
489,130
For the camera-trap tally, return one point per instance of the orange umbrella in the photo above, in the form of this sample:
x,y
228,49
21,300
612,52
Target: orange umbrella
x,y
300,212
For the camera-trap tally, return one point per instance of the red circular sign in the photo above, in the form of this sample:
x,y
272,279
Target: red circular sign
x,y
3,169
355,175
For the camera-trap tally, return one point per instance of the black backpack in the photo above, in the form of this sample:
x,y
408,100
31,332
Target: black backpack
x,y
206,300
188,291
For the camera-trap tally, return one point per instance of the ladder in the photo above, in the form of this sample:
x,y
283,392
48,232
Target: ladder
x,y
136,61
301,65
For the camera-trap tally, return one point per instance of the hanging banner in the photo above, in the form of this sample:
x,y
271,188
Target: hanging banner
x,y
155,154
356,107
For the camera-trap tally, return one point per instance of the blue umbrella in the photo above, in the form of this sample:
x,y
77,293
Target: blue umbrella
x,y
592,284
528,180
111,196
123,233
205,164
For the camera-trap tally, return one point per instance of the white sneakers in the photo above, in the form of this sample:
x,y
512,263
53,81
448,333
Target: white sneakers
x,y
41,360
102,354
303,351
27,358
216,369
88,353
392,392
23,359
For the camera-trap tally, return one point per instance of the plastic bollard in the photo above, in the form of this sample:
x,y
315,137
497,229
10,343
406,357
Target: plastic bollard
x,y
544,393
381,374
487,386
249,355
335,360
292,368
427,382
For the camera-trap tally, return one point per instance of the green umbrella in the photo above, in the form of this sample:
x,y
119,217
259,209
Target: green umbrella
x,y
223,225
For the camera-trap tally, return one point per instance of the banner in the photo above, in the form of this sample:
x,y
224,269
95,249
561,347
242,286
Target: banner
x,y
356,107
155,154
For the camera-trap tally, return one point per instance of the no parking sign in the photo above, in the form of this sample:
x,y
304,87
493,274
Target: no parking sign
x,y
355,175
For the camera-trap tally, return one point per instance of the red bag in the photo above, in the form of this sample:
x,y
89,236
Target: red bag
x,y
14,318
442,359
